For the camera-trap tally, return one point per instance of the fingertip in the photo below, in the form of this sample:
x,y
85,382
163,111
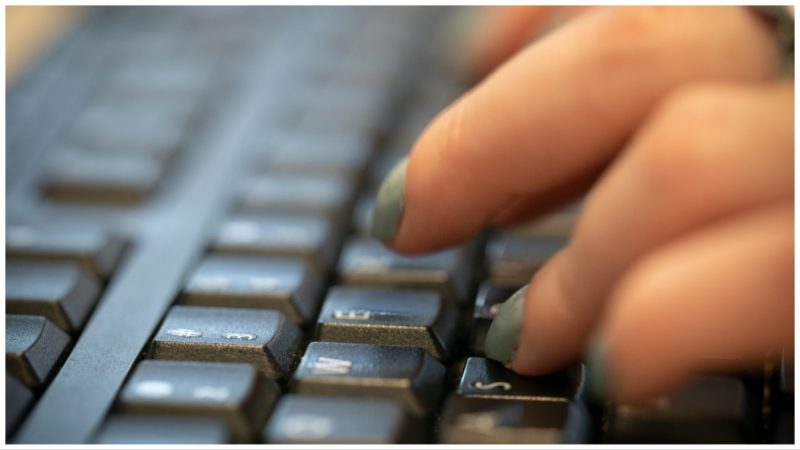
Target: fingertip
x,y
389,205
503,336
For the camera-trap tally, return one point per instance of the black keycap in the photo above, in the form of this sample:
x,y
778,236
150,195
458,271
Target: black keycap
x,y
710,410
282,193
34,347
171,78
489,379
229,391
89,177
63,292
152,130
96,250
488,301
264,338
468,420
330,420
407,374
416,318
344,108
367,262
163,430
513,258
18,401
308,236
320,153
285,284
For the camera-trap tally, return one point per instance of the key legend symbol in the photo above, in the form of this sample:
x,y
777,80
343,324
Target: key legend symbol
x,y
325,365
240,336
308,426
490,386
184,333
214,393
154,389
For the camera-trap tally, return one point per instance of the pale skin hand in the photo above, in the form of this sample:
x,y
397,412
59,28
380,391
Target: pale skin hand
x,y
682,260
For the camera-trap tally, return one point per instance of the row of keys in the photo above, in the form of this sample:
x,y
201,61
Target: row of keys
x,y
243,280
54,278
267,339
351,393
296,419
243,397
121,144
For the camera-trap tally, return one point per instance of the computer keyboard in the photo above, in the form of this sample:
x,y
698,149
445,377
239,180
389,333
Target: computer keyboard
x,y
188,194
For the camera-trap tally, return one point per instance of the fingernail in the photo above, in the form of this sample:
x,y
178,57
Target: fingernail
x,y
389,203
597,378
501,339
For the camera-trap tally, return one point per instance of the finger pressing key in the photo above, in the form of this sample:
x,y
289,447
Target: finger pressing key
x,y
514,137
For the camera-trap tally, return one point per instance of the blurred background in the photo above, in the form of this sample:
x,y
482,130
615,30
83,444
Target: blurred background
x,y
32,30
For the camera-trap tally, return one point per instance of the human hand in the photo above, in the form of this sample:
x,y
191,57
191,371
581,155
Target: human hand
x,y
682,259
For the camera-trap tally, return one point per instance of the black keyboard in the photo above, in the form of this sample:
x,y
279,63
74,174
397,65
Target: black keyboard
x,y
188,192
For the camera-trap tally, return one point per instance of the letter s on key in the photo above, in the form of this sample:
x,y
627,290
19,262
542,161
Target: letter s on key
x,y
490,386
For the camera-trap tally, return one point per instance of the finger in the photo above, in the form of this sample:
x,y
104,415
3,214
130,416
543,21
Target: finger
x,y
559,109
499,32
721,298
710,152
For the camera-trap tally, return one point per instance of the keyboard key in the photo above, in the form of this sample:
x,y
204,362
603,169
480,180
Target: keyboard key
x,y
344,108
468,420
19,400
229,391
148,129
513,258
63,292
710,410
488,301
489,379
329,420
366,262
263,338
162,430
413,318
284,284
308,236
406,374
97,251
337,154
34,347
79,176
279,193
